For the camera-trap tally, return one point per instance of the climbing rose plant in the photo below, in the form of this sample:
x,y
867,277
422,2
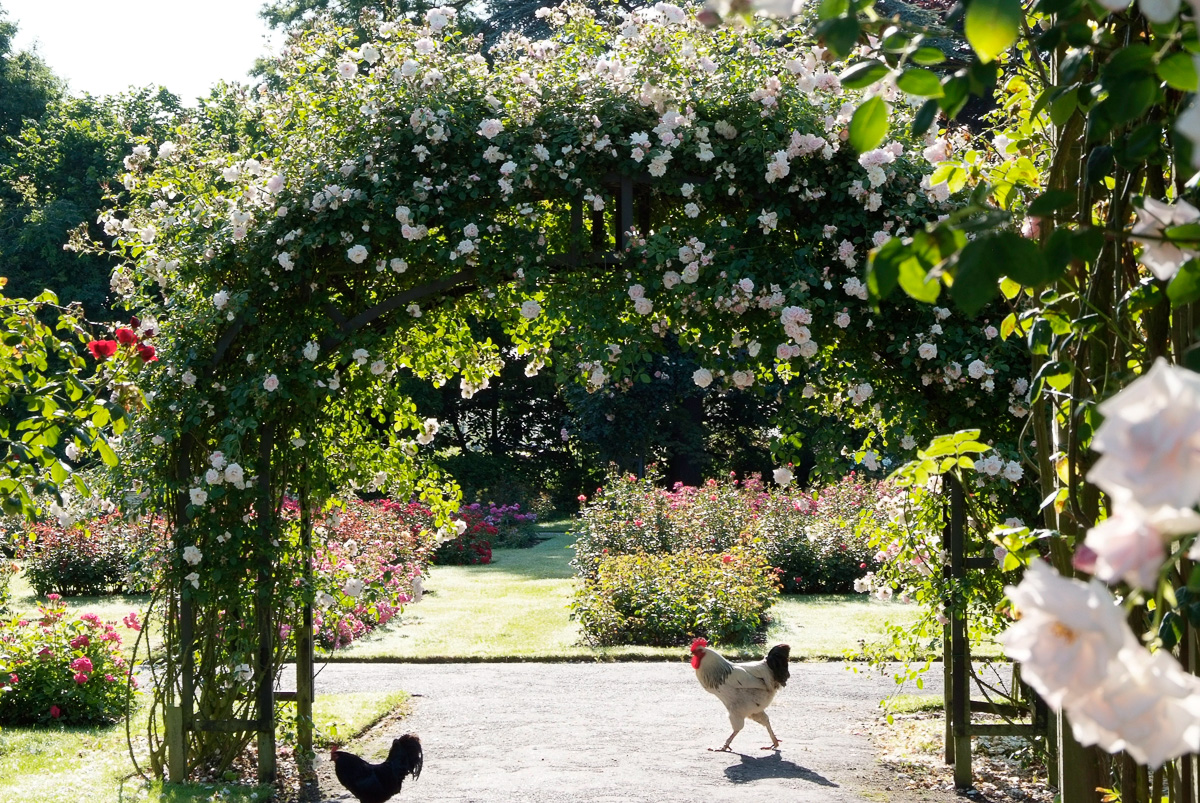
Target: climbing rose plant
x,y
296,247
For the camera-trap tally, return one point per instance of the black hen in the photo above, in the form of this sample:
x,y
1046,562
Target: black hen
x,y
375,783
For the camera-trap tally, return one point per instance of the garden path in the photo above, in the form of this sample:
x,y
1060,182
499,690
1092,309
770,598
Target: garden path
x,y
628,732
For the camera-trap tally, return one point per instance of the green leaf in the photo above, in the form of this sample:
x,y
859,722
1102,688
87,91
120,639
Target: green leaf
x,y
924,118
1063,106
1050,202
840,34
1179,72
976,277
915,281
1185,286
1019,259
868,125
922,83
1056,374
992,26
883,268
927,56
1009,288
828,9
1008,326
106,453
863,74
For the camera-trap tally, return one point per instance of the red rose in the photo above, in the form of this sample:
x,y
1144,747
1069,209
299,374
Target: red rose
x,y
55,711
126,337
102,349
147,352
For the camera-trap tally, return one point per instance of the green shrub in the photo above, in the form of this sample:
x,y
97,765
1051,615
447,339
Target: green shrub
x,y
8,570
56,669
667,599
76,560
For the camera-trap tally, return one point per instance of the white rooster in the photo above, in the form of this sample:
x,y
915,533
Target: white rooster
x,y
746,689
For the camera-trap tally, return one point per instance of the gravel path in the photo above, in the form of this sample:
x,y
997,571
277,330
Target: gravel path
x,y
542,733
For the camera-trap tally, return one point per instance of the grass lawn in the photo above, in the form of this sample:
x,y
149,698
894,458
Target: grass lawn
x,y
49,765
517,608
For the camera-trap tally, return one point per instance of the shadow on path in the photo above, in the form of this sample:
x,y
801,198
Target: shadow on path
x,y
756,768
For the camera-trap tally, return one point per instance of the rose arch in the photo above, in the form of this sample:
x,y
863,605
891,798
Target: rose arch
x,y
624,185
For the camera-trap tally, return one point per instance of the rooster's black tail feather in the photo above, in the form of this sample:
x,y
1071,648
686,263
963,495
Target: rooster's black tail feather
x,y
777,662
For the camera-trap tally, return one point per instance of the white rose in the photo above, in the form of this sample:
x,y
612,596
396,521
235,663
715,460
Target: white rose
x,y
192,555
311,350
783,477
357,254
234,474
198,496
1150,440
352,587
702,377
1068,633
530,309
220,299
270,383
927,351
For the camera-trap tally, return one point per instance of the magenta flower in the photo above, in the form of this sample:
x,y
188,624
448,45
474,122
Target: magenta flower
x,y
81,678
81,665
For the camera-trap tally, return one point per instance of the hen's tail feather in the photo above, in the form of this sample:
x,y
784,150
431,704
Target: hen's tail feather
x,y
777,662
406,755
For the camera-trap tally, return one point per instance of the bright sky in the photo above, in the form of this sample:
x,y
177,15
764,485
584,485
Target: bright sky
x,y
103,47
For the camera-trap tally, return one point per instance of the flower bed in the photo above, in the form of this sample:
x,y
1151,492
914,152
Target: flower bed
x,y
817,542
58,669
370,558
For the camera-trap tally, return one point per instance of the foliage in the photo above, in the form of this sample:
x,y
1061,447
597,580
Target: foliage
x,y
61,166
59,669
8,570
27,85
821,542
667,599
818,542
52,414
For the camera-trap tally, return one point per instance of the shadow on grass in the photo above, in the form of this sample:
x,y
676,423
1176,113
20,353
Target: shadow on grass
x,y
772,765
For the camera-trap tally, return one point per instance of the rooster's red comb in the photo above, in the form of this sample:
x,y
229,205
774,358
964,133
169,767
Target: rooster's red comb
x,y
699,644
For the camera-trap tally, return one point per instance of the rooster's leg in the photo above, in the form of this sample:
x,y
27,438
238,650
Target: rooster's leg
x,y
762,719
725,747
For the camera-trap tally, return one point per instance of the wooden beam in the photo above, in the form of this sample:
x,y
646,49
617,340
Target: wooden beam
x,y
229,725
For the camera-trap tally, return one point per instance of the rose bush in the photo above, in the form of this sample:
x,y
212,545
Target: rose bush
x,y
55,669
667,599
819,541
104,555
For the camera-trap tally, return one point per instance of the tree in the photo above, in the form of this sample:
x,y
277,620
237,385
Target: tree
x,y
27,85
59,172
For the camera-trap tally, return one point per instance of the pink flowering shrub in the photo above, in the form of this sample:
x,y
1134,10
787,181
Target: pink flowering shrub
x,y
514,527
104,555
370,557
58,669
817,541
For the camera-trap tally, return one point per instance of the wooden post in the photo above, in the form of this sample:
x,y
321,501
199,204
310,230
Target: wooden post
x,y
178,719
959,648
176,744
1077,767
948,693
262,611
624,213
304,648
